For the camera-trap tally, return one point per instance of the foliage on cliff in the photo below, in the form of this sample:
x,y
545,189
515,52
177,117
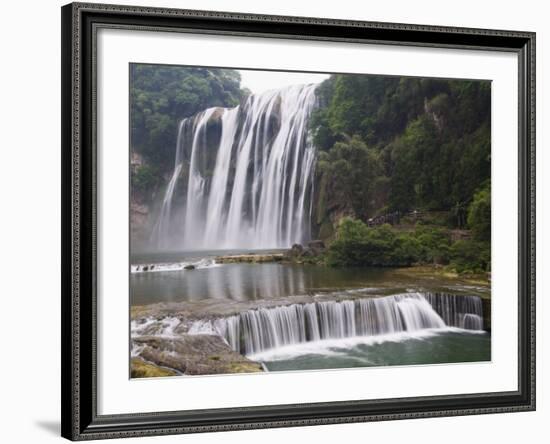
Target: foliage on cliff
x,y
162,95
426,143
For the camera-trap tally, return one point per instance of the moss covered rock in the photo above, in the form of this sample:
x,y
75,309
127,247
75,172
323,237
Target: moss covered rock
x,y
141,369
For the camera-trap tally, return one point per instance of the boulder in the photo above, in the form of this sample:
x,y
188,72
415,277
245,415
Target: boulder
x,y
317,246
295,251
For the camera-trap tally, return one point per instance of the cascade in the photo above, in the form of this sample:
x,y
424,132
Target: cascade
x,y
262,329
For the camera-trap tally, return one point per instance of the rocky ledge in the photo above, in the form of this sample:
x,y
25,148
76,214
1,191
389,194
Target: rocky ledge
x,y
250,258
297,254
194,355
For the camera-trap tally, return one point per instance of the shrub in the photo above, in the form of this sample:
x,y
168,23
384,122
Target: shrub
x,y
479,214
357,244
470,256
145,178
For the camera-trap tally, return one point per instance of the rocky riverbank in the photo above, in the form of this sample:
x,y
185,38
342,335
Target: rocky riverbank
x,y
188,354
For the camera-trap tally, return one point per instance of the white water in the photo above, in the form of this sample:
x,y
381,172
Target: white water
x,y
341,346
258,193
173,266
260,330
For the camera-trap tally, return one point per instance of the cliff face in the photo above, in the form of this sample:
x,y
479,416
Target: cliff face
x,y
140,202
329,206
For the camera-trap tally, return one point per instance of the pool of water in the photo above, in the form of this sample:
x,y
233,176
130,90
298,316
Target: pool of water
x,y
425,348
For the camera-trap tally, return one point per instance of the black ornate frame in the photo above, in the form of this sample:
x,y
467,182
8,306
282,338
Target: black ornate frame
x,y
80,22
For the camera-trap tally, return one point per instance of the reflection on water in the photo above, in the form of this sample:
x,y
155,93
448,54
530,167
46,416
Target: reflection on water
x,y
244,282
240,282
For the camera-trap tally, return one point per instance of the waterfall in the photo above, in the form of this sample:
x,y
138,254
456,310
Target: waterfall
x,y
247,175
262,329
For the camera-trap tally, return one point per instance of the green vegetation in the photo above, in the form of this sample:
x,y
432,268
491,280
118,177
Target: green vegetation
x,y
357,244
354,170
396,145
426,141
142,369
145,177
386,146
479,214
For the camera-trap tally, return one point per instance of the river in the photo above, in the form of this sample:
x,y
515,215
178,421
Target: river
x,y
240,299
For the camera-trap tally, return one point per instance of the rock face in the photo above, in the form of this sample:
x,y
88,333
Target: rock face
x,y
195,355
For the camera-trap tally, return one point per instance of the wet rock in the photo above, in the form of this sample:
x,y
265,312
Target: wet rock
x,y
195,355
189,267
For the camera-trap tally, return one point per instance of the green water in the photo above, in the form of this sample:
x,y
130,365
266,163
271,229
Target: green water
x,y
449,347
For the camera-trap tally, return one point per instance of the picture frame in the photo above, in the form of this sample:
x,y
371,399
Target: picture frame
x,y
81,390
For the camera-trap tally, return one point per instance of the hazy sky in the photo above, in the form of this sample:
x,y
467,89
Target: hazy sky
x,y
259,81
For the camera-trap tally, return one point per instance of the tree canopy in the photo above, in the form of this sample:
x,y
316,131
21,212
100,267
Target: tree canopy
x,y
431,137
162,95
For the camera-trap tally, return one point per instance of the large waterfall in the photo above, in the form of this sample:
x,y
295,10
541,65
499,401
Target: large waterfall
x,y
263,329
243,177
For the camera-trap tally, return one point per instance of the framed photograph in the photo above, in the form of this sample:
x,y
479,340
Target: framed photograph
x,y
280,221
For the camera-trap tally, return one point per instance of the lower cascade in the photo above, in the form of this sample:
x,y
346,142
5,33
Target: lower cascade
x,y
257,330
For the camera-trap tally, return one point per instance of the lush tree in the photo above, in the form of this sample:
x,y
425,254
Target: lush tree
x,y
351,170
357,244
479,214
431,139
470,256
162,95
145,178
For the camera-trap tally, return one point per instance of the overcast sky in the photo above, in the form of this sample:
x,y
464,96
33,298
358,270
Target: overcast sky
x,y
259,81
